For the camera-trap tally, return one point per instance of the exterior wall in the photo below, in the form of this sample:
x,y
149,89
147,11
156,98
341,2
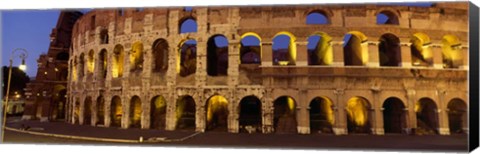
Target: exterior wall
x,y
301,82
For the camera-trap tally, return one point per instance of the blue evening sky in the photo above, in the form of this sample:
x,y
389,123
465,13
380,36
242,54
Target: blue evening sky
x,y
31,30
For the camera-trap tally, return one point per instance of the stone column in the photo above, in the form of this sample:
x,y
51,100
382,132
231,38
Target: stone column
x,y
267,112
406,55
373,55
437,55
340,126
201,72
267,59
303,121
200,116
108,112
443,126
145,119
232,122
82,110
171,119
125,112
233,62
378,124
412,116
338,59
465,56
302,53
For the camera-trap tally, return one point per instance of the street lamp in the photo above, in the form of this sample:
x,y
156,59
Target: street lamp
x,y
22,53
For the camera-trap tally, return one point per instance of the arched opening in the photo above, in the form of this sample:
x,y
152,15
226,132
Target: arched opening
x,y
250,114
76,111
187,64
73,67
136,57
135,112
185,113
427,117
284,49
451,52
320,51
420,49
394,117
358,115
87,111
250,49
104,36
317,17
355,49
389,50
457,116
118,59
116,111
284,115
100,111
158,112
188,25
91,62
217,113
321,115
160,55
62,56
82,66
387,18
102,64
59,101
217,55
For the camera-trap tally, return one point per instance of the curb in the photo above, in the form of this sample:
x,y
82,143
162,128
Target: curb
x,y
140,140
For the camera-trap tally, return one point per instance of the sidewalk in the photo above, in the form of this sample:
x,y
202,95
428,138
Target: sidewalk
x,y
87,132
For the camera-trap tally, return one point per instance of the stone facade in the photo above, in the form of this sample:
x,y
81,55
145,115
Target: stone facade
x,y
337,81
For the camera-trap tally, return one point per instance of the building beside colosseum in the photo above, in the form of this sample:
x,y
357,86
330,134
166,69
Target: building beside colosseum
x,y
342,72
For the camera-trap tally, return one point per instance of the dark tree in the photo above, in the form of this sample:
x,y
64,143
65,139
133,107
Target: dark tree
x,y
18,82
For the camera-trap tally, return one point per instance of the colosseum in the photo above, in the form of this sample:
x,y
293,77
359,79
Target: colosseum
x,y
302,69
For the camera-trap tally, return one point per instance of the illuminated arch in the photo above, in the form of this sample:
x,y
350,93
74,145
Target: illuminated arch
x,y
317,17
387,17
355,49
284,115
91,62
160,55
358,115
59,101
427,116
102,61
217,55
116,111
185,112
186,23
320,50
284,56
394,115
389,50
118,60
82,65
136,57
158,112
73,67
87,111
250,53
217,113
457,116
452,55
135,112
321,115
187,57
420,50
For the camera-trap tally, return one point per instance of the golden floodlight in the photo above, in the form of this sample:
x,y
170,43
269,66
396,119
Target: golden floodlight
x,y
215,104
357,110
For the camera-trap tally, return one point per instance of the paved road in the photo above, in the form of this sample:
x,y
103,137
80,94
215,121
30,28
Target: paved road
x,y
452,143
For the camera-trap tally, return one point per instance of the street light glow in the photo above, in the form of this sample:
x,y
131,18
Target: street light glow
x,y
23,67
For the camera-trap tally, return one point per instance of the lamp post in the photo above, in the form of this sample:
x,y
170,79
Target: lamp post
x,y
22,55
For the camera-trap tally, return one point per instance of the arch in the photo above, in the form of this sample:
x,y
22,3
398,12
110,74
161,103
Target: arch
x,y
321,115
427,116
457,116
284,49
82,65
135,112
250,113
187,63
284,115
116,111
250,48
394,115
317,17
158,112
102,63
62,56
217,113
136,57
59,101
87,111
104,36
358,115
420,50
355,49
451,52
76,110
320,50
217,55
188,25
100,110
389,50
387,17
91,62
185,113
118,59
160,55
73,67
